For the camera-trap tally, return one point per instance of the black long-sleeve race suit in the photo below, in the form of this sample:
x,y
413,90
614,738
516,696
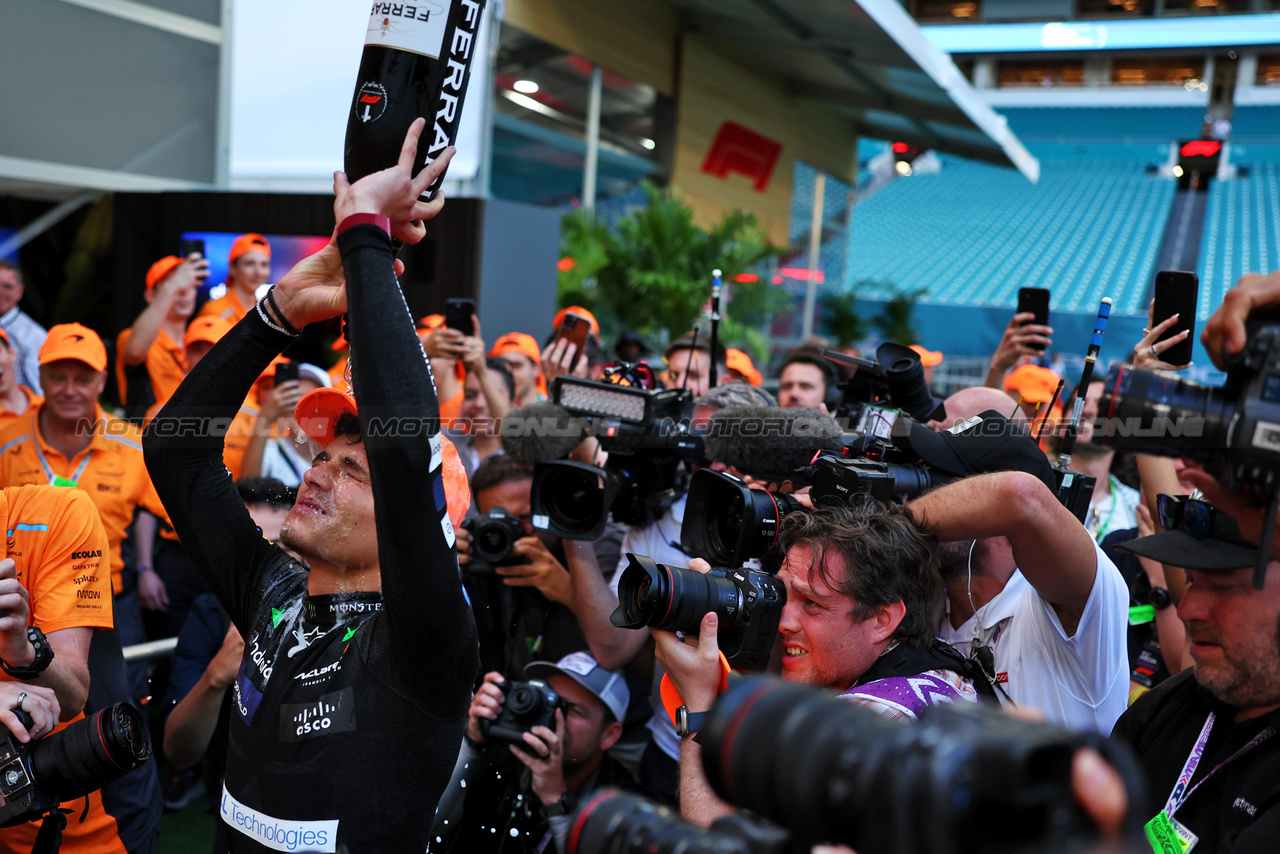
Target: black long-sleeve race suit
x,y
348,709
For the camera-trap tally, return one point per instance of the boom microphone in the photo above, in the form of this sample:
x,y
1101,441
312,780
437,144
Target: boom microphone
x,y
770,442
541,432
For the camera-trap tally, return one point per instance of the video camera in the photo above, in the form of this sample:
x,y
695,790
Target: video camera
x,y
647,433
879,391
748,602
824,770
493,537
38,776
527,705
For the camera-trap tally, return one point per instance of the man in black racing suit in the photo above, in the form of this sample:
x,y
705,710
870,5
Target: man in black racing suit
x,y
351,702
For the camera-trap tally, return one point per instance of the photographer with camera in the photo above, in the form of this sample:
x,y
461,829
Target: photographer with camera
x,y
1030,594
688,361
559,728
1212,725
520,599
861,583
350,704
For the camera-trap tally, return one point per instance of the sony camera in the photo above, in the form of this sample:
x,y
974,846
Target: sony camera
x,y
527,705
38,776
840,478
748,603
493,537
880,390
963,779
1234,430
647,434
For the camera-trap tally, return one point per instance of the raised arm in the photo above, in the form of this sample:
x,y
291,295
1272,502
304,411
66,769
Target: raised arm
x,y
1050,546
183,448
428,621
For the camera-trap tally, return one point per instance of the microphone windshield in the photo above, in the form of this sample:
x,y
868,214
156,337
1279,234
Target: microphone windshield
x,y
770,442
541,432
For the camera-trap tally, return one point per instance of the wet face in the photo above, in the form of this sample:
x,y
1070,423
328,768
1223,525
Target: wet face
x,y
10,289
333,519
249,271
512,496
801,384
1234,633
822,643
71,389
585,733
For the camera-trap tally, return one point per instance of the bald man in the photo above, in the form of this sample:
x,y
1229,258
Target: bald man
x,y
969,402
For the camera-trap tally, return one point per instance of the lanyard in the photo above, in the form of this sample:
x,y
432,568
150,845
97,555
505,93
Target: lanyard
x,y
1102,529
57,480
1180,792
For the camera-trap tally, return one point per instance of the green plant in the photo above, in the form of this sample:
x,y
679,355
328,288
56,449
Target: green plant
x,y
840,318
896,321
651,271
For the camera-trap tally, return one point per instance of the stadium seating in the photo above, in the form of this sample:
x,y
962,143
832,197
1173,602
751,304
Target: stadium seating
x,y
1241,231
1104,124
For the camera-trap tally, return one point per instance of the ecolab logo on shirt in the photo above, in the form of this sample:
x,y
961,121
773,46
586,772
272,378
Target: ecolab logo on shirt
x,y
86,555
333,712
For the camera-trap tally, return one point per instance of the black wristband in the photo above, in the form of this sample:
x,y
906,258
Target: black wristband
x,y
44,657
284,321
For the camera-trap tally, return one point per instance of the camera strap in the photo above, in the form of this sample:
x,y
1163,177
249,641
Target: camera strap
x,y
49,837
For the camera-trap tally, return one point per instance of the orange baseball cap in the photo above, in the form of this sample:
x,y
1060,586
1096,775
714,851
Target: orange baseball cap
x,y
318,411
209,327
1033,383
250,242
741,362
928,358
431,321
521,343
162,268
581,312
74,341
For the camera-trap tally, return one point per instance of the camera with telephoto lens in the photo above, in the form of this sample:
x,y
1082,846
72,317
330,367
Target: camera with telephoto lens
x,y
1234,430
647,434
880,390
493,537
747,601
613,822
727,523
38,776
876,467
527,705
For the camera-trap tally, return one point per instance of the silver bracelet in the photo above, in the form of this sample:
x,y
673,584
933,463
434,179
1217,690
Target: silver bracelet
x,y
267,320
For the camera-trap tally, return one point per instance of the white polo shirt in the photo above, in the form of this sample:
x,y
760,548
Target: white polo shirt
x,y
1080,682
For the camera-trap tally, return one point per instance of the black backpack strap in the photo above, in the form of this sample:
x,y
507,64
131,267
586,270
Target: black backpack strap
x,y
907,660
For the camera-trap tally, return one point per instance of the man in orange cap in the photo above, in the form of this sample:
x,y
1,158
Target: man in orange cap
x,y
741,369
15,398
150,361
581,312
1033,387
69,441
248,268
930,359
372,635
524,357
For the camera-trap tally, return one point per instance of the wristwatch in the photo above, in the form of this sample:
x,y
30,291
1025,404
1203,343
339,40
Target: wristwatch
x,y
44,657
1159,597
568,803
687,722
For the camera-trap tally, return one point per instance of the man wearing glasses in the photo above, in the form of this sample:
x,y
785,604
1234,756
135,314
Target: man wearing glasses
x,y
1205,738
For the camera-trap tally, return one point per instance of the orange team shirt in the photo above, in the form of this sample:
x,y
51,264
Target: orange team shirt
x,y
227,306
166,364
8,416
115,477
58,543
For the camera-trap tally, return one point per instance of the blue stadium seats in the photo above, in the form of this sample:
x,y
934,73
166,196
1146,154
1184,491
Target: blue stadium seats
x,y
974,233
1241,232
1103,124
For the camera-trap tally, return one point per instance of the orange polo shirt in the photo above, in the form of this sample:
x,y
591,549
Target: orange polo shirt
x,y
227,306
115,475
8,416
166,364
58,543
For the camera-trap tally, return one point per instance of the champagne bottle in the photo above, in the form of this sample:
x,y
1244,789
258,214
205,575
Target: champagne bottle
x,y
416,62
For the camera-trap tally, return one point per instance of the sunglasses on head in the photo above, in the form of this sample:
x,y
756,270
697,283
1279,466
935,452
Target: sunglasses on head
x,y
1198,518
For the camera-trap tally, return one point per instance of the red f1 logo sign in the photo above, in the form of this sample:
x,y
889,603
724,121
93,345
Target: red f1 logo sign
x,y
741,150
